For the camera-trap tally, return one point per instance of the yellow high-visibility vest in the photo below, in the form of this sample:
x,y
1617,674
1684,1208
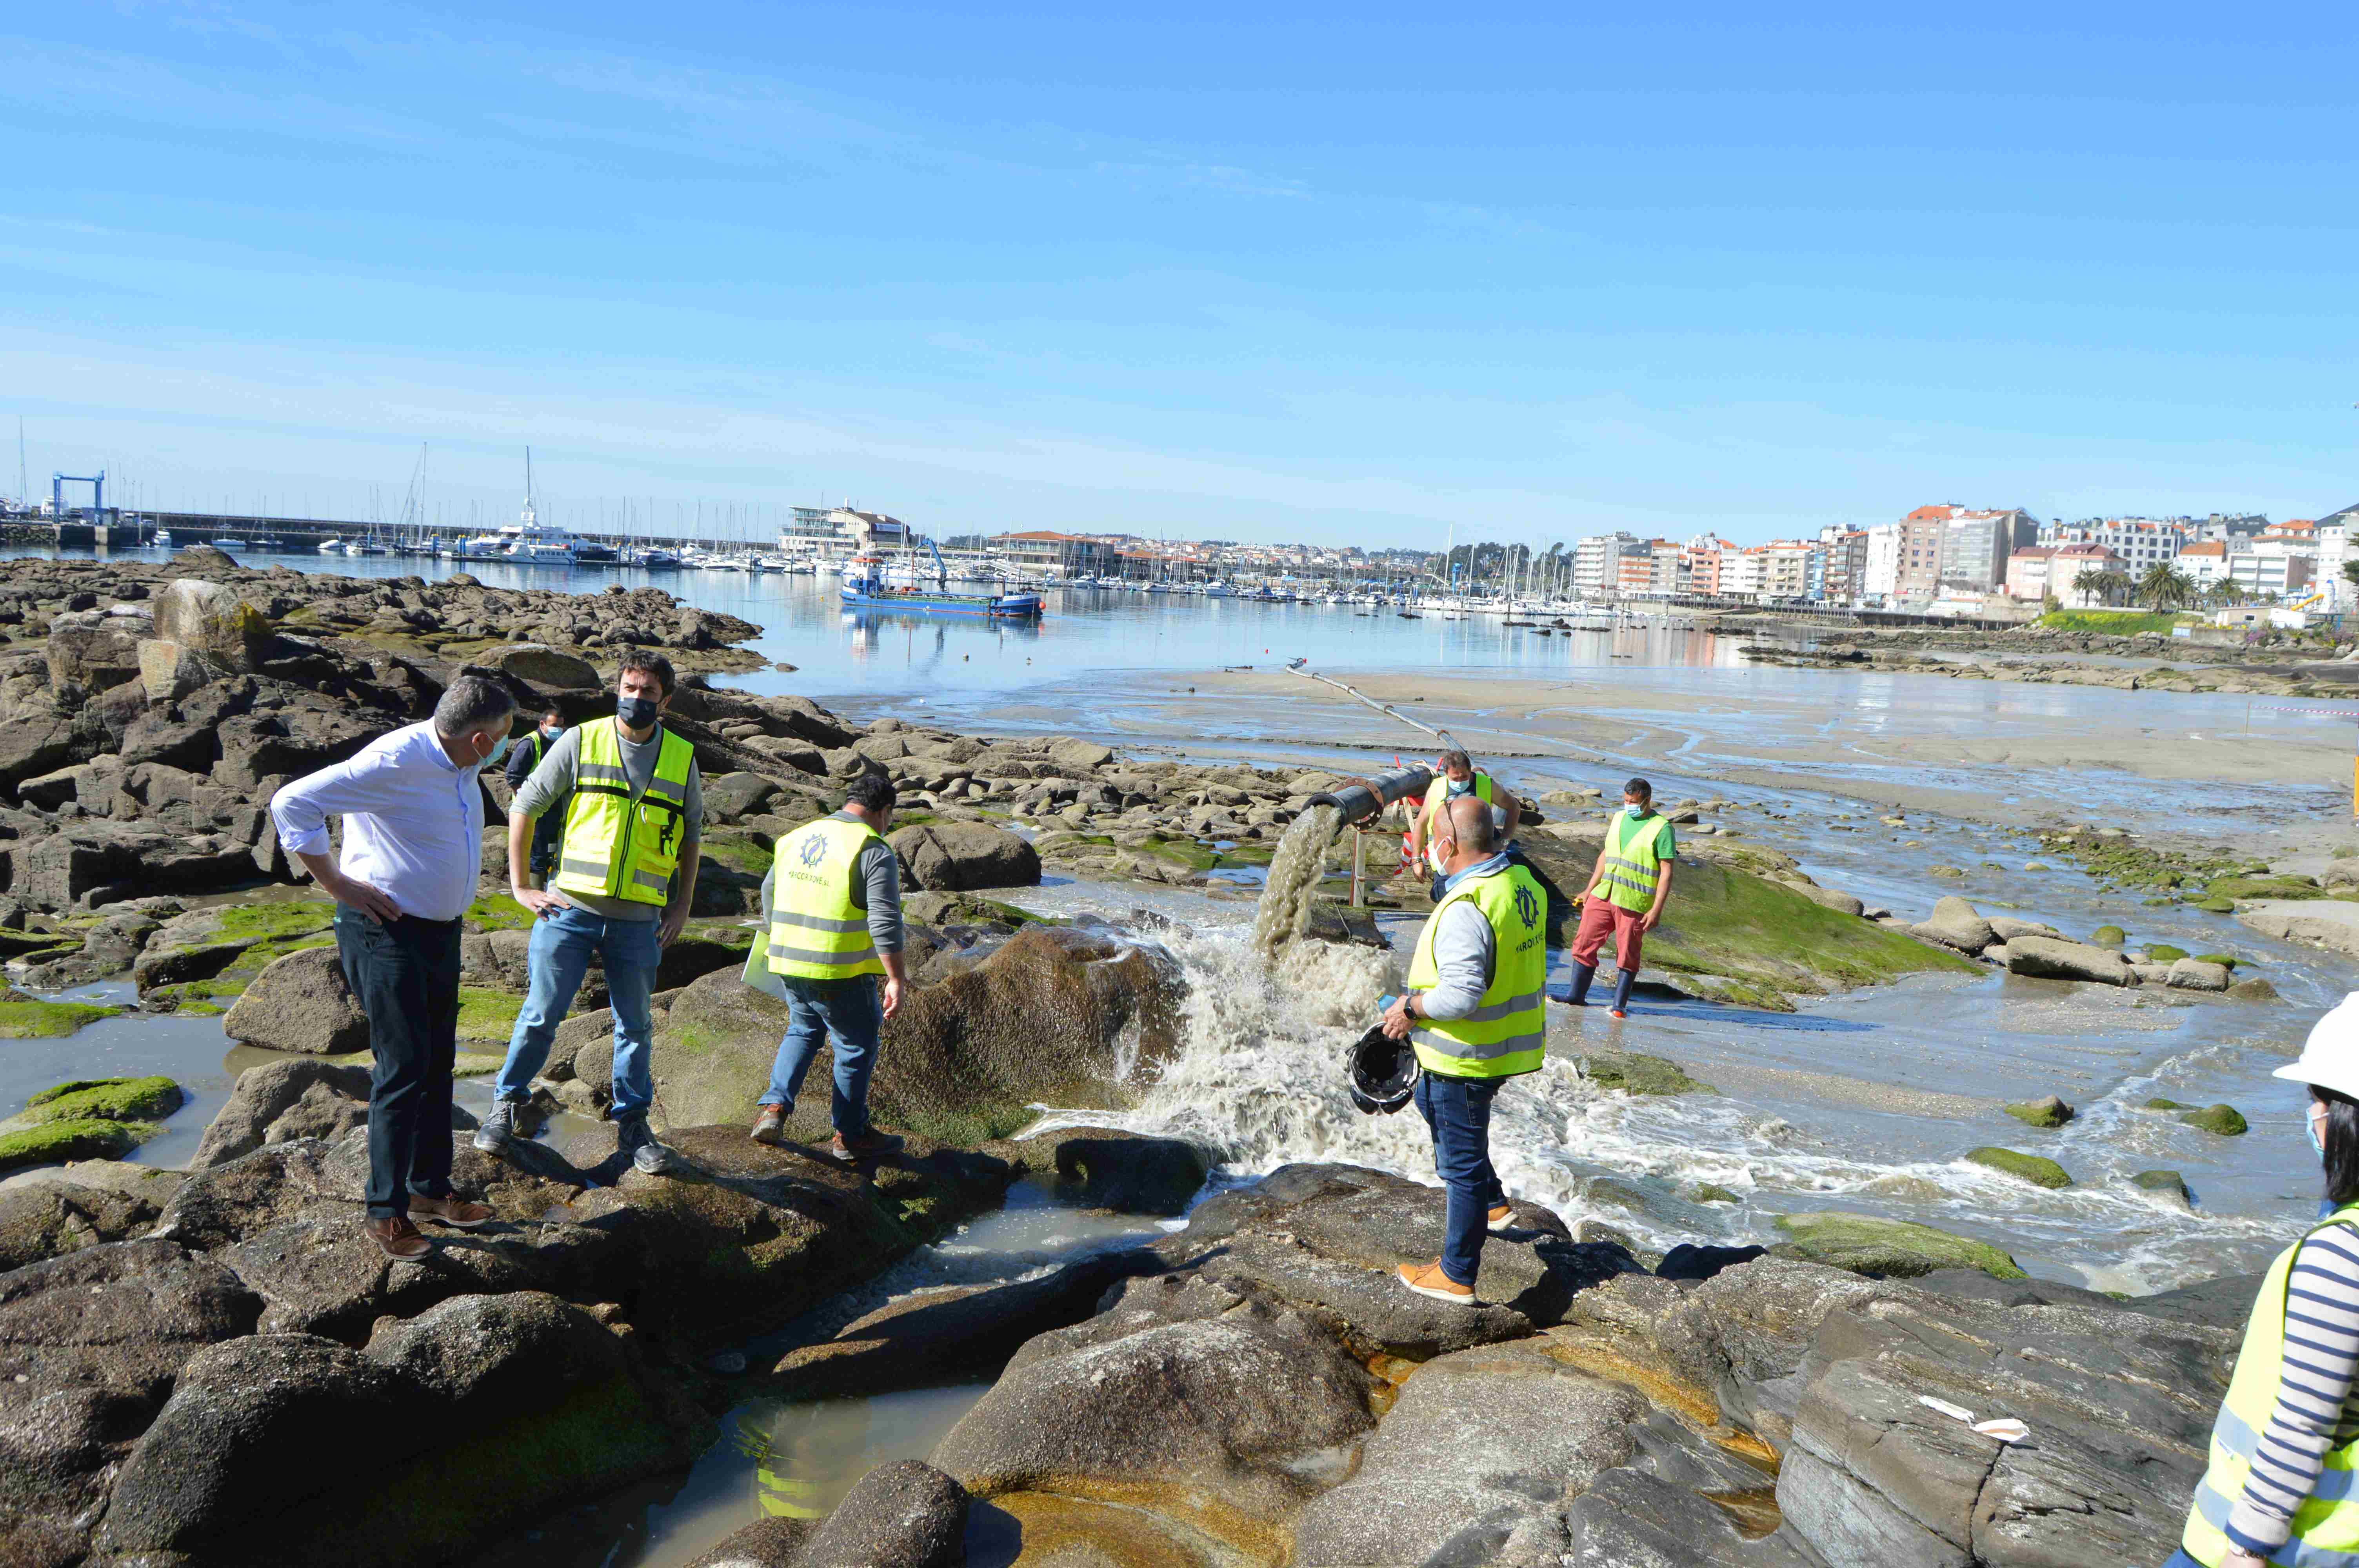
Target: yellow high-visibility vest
x,y
819,916
1633,864
1505,1034
619,844
2326,1525
1438,790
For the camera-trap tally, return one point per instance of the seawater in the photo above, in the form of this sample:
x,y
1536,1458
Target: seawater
x,y
1289,888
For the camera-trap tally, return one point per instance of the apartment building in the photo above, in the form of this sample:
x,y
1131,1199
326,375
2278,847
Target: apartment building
x,y
2205,562
1976,547
1916,564
1879,575
1044,552
1597,563
2140,542
1841,572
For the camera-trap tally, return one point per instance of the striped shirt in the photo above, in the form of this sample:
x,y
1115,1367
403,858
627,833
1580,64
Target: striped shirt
x,y
2314,1411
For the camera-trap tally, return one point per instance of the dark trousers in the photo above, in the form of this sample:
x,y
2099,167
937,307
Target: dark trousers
x,y
405,977
1458,1111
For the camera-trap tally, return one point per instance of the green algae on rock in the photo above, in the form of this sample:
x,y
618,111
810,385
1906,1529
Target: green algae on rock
x,y
2049,1112
1637,1073
82,1138
1888,1249
24,1017
2033,1168
106,1099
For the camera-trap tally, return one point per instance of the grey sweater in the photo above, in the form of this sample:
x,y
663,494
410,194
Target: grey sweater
x,y
552,782
880,884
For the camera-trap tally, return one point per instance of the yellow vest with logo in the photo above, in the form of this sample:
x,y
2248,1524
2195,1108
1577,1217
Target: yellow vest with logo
x,y
1505,1034
1632,868
819,925
2326,1525
619,845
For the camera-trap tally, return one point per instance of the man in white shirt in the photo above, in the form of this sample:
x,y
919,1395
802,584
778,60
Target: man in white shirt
x,y
413,817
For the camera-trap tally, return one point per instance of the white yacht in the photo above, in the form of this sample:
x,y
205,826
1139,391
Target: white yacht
x,y
531,540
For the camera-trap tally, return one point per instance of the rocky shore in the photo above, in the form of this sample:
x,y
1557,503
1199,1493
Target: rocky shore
x,y
214,1366
2279,665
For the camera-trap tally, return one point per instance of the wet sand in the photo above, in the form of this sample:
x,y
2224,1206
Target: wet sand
x,y
2271,776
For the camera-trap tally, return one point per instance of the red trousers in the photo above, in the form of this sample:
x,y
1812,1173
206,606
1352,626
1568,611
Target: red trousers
x,y
1601,918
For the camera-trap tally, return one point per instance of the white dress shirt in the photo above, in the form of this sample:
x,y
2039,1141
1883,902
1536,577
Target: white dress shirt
x,y
413,821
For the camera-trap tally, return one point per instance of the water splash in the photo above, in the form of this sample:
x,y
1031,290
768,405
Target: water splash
x,y
1292,887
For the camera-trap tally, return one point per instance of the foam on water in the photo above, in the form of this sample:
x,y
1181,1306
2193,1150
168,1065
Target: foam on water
x,y
1259,1076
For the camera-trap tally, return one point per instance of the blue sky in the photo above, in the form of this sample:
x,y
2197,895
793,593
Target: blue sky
x,y
1350,275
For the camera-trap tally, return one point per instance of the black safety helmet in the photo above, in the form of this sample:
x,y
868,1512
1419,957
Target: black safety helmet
x,y
1382,1073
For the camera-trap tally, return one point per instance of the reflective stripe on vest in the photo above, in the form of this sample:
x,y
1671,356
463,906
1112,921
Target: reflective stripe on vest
x,y
1506,1033
819,927
2326,1525
620,843
1632,868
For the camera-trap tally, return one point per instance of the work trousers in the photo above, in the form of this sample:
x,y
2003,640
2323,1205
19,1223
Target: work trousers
x,y
405,974
1459,1112
555,961
847,1016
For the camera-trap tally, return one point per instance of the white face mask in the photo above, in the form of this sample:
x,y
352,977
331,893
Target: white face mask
x,y
1436,858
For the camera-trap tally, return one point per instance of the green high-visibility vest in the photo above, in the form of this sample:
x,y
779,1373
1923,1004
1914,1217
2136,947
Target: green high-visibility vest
x,y
1633,863
620,843
2326,1525
1505,1034
819,919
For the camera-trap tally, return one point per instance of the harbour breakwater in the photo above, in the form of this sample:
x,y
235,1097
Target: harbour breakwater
x,y
197,1351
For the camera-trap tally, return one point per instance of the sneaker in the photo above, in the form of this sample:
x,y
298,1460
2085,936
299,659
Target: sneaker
x,y
1428,1279
498,1129
1501,1217
398,1238
770,1127
867,1146
647,1153
452,1210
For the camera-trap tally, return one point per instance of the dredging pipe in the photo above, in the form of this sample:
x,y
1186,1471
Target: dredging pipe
x,y
1361,799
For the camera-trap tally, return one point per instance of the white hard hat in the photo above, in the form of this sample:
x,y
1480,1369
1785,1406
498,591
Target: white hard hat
x,y
2329,1057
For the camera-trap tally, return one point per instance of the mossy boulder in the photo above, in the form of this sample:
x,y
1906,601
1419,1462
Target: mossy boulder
x,y
1887,1248
1728,923
106,1099
89,1138
2264,886
1638,1074
24,1017
2032,1168
231,942
2216,905
2165,1186
2255,990
2225,1120
2048,1111
2163,953
2226,960
487,1014
1712,1192
1053,1016
2108,936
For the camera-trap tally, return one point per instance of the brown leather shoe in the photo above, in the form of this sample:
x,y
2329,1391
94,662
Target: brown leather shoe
x,y
1428,1279
398,1238
867,1146
452,1210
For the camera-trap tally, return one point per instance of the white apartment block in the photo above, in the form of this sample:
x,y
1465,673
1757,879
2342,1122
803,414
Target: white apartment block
x,y
1881,580
1597,563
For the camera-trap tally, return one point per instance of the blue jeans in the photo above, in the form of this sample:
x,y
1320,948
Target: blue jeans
x,y
848,1015
1458,1111
563,941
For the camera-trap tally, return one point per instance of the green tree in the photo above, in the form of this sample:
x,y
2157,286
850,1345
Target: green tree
x,y
2165,587
2100,584
2225,591
2351,572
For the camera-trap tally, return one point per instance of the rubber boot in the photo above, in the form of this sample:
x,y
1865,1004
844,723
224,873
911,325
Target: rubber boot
x,y
1582,974
1622,983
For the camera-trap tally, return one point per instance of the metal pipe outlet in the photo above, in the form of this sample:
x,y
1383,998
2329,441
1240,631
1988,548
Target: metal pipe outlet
x,y
1361,799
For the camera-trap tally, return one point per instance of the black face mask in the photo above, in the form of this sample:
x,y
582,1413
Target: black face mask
x,y
636,712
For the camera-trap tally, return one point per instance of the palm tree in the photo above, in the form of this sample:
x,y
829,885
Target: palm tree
x,y
2225,591
2094,582
2165,587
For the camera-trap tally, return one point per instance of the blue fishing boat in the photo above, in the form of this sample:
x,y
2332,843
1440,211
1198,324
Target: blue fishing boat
x,y
864,587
